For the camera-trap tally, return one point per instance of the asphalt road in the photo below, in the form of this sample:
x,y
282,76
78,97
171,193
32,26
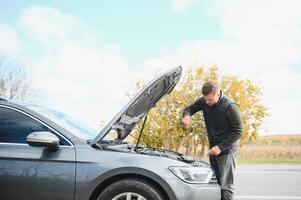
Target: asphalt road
x,y
268,181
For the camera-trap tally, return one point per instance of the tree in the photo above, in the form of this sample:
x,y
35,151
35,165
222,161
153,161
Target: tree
x,y
15,83
164,125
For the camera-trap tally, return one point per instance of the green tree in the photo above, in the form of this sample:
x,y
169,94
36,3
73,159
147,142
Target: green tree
x,y
164,125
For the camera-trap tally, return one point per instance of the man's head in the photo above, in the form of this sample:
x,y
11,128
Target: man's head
x,y
211,92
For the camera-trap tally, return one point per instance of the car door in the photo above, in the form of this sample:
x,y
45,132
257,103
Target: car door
x,y
28,172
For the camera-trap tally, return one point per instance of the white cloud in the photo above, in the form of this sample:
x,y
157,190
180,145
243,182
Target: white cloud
x,y
50,27
45,24
282,95
272,20
182,6
261,40
89,83
10,41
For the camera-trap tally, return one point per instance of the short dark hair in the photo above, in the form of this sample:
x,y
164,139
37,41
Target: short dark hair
x,y
210,87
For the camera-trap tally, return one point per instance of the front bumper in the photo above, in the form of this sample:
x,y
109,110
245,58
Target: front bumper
x,y
185,191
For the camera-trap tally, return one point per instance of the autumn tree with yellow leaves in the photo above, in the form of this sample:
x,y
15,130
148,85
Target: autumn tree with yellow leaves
x,y
163,128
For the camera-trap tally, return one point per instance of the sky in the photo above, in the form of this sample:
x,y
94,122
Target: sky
x,y
85,56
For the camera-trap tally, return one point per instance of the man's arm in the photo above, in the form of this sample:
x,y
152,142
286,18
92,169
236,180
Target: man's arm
x,y
193,108
190,110
233,115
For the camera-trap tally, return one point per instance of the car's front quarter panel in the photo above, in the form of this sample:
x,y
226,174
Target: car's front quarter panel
x,y
95,166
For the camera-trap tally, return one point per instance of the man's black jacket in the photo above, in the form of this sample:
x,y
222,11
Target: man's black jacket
x,y
223,122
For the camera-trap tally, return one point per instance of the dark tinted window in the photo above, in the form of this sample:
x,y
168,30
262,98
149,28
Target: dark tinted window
x,y
15,126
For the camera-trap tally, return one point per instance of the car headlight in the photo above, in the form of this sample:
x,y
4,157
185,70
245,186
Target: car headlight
x,y
192,174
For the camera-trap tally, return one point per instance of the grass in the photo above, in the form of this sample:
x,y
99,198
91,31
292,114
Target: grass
x,y
270,161
272,149
282,149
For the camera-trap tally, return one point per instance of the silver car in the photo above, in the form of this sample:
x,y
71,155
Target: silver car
x,y
45,154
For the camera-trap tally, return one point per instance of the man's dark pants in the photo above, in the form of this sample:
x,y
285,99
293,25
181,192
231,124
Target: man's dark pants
x,y
224,167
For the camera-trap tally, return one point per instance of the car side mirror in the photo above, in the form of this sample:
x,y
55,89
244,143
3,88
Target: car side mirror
x,y
43,139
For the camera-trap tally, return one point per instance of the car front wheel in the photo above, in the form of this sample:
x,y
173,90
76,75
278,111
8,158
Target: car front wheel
x,y
130,189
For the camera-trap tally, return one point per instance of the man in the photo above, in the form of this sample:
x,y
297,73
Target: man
x,y
224,127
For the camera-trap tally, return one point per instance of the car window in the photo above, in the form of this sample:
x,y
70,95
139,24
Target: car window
x,y
15,127
70,124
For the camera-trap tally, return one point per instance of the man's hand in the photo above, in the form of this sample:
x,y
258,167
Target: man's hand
x,y
214,151
186,122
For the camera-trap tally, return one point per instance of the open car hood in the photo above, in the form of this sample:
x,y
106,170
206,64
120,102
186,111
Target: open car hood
x,y
125,121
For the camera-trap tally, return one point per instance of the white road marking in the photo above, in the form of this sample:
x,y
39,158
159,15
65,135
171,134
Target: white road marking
x,y
267,197
267,172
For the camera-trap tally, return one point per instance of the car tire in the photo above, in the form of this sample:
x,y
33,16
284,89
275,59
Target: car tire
x,y
132,189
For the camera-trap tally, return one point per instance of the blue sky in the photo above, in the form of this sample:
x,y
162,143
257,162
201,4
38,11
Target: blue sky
x,y
139,26
88,54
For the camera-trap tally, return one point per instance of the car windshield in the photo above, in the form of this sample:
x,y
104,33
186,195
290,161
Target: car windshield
x,y
74,126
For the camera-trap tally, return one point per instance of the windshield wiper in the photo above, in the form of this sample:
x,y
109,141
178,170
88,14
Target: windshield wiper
x,y
139,138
